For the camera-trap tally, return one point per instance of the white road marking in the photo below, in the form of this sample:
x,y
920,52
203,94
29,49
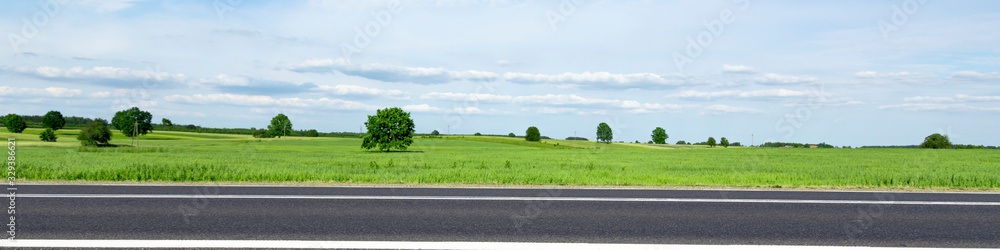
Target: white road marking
x,y
502,198
389,245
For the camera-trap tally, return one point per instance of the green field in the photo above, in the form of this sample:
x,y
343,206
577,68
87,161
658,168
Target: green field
x,y
190,157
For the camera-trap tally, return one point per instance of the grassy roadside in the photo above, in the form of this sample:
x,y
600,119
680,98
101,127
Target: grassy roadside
x,y
193,157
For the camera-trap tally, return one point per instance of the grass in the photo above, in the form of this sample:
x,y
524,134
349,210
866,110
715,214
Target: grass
x,y
187,157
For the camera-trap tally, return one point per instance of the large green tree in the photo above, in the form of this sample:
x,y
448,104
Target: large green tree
x,y
14,123
95,133
389,128
936,141
280,126
532,134
660,136
604,133
711,142
724,142
126,121
54,120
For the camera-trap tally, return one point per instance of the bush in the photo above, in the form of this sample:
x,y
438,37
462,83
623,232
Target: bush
x,y
48,135
681,142
574,138
14,123
511,135
312,133
435,132
95,133
532,134
260,133
478,134
936,141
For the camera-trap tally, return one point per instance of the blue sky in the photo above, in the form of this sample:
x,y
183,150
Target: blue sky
x,y
841,72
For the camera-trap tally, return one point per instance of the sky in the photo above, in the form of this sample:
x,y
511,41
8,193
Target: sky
x,y
841,72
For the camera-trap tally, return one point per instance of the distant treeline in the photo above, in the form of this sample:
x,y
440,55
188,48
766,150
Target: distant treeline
x,y
794,145
72,122
957,146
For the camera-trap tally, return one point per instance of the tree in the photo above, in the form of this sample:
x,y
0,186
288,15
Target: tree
x,y
312,133
54,120
604,133
126,120
736,144
724,142
936,141
435,133
389,128
511,135
532,134
660,136
711,142
167,122
48,135
280,126
681,142
478,134
14,123
96,132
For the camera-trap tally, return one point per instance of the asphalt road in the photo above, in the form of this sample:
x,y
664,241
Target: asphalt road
x,y
510,215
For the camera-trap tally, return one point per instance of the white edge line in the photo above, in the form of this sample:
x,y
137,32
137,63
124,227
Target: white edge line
x,y
385,245
637,188
501,198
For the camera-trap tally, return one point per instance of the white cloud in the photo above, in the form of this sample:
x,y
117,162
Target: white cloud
x,y
460,97
603,79
956,98
225,80
265,101
938,107
39,92
720,109
354,90
775,79
392,73
738,69
109,76
455,110
551,99
742,94
976,76
103,6
866,74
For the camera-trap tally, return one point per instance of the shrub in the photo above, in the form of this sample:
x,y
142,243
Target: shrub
x,y
48,135
312,133
511,135
435,132
681,142
95,133
478,134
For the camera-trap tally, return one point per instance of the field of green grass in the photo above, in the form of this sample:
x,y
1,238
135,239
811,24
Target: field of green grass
x,y
188,157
